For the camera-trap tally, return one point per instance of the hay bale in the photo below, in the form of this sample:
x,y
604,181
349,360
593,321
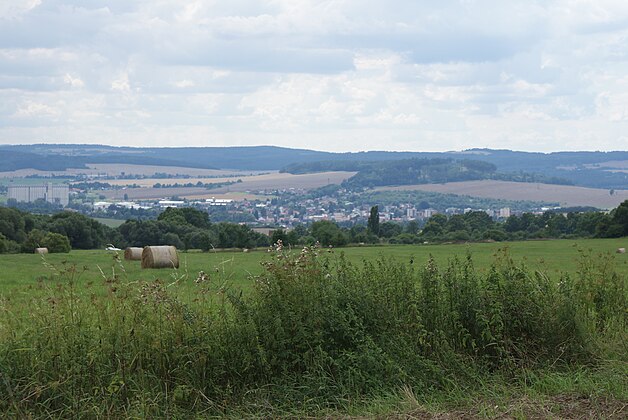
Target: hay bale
x,y
41,251
133,253
621,250
164,256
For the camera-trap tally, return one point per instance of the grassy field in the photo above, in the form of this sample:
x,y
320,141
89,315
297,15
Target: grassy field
x,y
80,333
236,268
395,337
566,195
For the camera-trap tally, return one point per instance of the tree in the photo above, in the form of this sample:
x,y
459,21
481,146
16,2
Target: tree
x,y
278,235
412,227
56,242
328,233
390,229
373,222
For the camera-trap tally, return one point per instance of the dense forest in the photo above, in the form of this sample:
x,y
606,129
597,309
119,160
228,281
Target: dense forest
x,y
188,228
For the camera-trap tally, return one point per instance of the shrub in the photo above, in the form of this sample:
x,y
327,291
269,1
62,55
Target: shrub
x,y
56,242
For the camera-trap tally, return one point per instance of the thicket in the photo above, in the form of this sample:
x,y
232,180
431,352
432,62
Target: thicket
x,y
315,333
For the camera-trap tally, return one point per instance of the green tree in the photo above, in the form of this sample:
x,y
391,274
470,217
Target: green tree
x,y
412,227
389,229
373,221
56,242
328,233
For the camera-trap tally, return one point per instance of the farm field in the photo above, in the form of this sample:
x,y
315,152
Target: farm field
x,y
117,169
253,183
21,271
564,194
262,181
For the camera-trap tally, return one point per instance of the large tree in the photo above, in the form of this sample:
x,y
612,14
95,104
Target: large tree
x,y
373,222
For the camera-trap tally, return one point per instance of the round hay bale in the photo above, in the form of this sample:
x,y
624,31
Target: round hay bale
x,y
133,253
41,251
164,256
621,250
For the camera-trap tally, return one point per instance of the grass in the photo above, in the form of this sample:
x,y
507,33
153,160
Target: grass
x,y
236,267
366,331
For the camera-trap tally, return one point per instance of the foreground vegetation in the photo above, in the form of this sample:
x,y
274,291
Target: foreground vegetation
x,y
317,334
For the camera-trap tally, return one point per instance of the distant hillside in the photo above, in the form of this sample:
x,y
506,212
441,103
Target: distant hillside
x,y
591,169
11,160
417,171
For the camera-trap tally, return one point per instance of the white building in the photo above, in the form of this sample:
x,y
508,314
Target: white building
x,y
56,194
504,213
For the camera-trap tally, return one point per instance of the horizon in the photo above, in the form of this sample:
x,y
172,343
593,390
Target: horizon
x,y
320,75
313,150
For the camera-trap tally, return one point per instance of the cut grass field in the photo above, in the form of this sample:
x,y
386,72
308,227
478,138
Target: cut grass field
x,y
566,195
236,267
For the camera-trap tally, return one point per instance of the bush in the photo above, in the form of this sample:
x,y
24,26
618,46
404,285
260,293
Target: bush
x,y
56,242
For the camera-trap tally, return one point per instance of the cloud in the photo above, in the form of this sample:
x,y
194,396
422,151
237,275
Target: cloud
x,y
328,74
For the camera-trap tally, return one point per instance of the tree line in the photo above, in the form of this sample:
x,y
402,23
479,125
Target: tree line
x,y
189,228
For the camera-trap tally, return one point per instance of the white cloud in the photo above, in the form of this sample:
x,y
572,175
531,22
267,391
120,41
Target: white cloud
x,y
74,82
328,74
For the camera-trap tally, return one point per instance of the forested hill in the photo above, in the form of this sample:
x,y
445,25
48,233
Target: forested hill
x,y
416,171
591,169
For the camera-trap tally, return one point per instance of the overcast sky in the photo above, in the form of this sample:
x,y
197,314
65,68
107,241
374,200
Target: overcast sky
x,y
328,75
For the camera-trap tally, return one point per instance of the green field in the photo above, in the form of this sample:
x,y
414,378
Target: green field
x,y
236,268
389,335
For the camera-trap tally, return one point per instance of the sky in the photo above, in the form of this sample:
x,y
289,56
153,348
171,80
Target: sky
x,y
337,75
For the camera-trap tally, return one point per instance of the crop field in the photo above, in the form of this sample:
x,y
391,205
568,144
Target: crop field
x,y
263,181
564,194
235,268
253,184
117,169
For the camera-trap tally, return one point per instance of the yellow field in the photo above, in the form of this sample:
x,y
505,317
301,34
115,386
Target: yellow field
x,y
564,194
250,185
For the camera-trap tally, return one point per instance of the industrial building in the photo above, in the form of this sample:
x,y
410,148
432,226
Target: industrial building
x,y
56,194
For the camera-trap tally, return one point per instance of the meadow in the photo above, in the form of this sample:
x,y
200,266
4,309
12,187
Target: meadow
x,y
509,330
236,267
